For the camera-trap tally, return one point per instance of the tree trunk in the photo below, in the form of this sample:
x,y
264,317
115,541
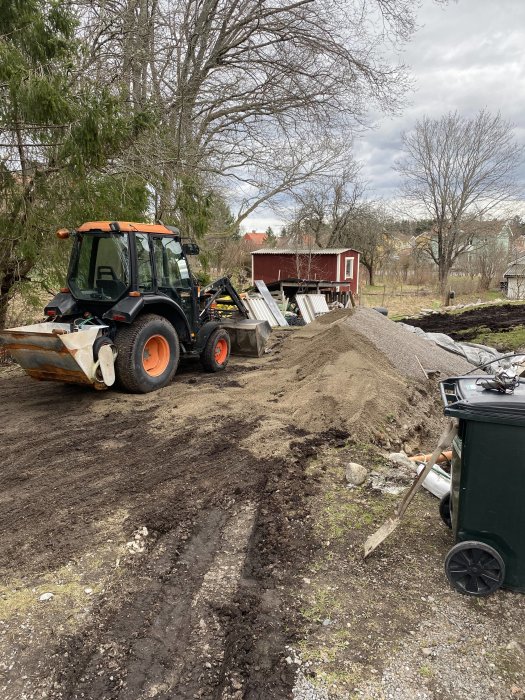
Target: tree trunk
x,y
8,279
370,269
4,303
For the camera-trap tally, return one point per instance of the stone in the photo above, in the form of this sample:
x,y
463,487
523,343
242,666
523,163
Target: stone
x,y
400,459
355,473
45,597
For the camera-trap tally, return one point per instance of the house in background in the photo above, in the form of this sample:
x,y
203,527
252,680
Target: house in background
x,y
255,239
307,269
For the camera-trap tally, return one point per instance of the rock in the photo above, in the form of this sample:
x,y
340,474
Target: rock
x,y
46,596
88,591
326,622
426,651
355,473
401,460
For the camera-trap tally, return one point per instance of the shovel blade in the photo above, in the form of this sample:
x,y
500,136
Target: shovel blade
x,y
386,529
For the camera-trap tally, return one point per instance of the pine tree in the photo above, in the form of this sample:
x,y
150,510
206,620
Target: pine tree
x,y
57,132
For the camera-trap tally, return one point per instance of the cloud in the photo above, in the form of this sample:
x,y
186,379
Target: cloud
x,y
465,56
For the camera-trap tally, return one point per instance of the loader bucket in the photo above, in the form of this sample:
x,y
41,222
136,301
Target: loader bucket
x,y
50,351
247,337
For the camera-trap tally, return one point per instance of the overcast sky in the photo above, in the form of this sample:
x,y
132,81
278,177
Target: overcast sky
x,y
466,55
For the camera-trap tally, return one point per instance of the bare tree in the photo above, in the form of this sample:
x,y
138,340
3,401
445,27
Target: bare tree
x,y
247,91
457,169
369,230
333,212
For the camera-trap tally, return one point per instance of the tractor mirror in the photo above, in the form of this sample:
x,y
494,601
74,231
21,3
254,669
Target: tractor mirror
x,y
191,248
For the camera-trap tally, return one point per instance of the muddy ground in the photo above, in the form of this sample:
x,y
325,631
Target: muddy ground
x,y
465,325
202,542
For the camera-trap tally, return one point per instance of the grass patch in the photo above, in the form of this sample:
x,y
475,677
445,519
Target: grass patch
x,y
322,605
513,339
342,511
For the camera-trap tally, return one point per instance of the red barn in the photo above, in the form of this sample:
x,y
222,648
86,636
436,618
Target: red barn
x,y
334,265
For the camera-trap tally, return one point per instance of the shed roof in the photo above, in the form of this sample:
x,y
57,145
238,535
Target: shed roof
x,y
302,251
516,269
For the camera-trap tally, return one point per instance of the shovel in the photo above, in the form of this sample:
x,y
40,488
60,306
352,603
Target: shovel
x,y
391,524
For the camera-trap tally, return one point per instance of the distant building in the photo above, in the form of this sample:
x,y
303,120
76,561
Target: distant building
x,y
515,279
338,267
255,239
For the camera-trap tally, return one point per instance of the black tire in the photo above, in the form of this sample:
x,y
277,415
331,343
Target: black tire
x,y
216,352
474,568
131,372
444,510
99,342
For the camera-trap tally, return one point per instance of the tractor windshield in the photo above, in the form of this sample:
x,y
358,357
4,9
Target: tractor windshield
x,y
99,266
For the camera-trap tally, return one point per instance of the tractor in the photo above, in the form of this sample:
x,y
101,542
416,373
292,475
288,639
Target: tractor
x,y
131,309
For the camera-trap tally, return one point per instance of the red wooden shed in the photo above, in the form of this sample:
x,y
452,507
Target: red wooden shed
x,y
334,265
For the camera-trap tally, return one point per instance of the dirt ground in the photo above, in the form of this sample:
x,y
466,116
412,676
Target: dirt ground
x,y
465,325
201,541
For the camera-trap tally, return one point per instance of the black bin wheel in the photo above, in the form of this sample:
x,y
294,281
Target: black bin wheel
x,y
148,354
444,510
216,353
475,568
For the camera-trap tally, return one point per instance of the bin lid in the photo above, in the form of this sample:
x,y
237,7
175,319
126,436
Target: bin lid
x,y
465,398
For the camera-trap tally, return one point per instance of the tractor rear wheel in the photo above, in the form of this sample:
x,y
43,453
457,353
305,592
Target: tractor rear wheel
x,y
148,354
216,352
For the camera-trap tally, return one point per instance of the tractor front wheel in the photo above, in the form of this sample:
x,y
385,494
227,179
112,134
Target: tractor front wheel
x,y
148,354
215,355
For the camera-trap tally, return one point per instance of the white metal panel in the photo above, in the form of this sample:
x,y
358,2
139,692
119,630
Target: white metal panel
x,y
260,311
311,306
270,301
318,304
304,308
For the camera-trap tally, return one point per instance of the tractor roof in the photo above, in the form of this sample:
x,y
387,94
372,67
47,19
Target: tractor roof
x,y
125,226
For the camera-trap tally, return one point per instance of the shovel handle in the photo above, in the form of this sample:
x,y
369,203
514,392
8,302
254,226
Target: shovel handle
x,y
444,441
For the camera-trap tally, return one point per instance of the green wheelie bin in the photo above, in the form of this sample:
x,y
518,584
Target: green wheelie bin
x,y
486,505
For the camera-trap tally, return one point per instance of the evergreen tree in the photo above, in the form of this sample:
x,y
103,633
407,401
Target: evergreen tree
x,y
57,132
271,238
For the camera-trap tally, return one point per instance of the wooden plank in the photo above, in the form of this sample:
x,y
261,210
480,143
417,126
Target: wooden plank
x,y
270,301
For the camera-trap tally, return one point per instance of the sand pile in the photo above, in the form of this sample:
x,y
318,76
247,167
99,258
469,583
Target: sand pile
x,y
330,375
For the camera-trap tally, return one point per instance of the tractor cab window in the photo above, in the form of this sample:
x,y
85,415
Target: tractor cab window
x,y
172,271
144,271
100,266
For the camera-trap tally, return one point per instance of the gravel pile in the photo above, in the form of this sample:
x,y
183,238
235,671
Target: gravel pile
x,y
403,348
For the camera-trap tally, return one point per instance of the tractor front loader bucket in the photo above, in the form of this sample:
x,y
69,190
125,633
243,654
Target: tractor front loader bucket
x,y
247,337
51,351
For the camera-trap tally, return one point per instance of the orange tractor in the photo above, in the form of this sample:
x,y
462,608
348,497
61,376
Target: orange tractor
x,y
131,308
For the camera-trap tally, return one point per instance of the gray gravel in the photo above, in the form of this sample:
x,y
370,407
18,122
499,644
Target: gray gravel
x,y
402,347
458,651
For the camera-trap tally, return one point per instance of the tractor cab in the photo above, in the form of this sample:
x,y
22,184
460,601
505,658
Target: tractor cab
x,y
112,260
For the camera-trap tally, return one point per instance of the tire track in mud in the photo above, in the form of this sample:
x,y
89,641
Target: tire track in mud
x,y
212,616
167,640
